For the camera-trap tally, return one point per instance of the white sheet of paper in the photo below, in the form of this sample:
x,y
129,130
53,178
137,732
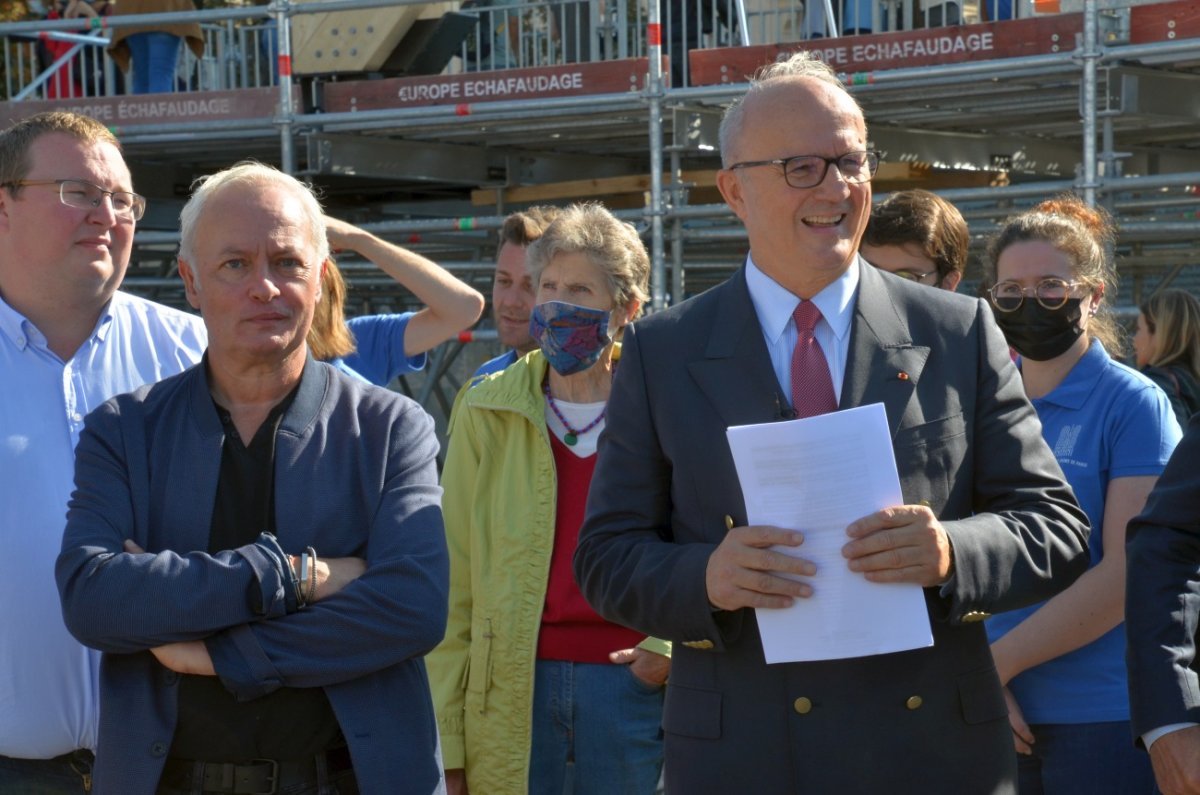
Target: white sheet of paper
x,y
818,475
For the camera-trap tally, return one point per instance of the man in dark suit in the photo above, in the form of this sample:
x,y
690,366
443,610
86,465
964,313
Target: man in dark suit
x,y
1162,611
989,525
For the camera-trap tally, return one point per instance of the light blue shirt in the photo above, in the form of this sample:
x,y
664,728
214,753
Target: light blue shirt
x,y
48,681
775,305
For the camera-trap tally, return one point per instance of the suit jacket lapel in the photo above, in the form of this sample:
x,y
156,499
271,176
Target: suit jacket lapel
x,y
736,373
883,365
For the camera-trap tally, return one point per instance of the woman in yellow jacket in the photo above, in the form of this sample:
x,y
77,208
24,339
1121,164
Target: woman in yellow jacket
x,y
534,691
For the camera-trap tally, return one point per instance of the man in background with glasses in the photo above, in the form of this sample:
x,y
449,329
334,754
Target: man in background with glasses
x,y
918,236
69,340
804,328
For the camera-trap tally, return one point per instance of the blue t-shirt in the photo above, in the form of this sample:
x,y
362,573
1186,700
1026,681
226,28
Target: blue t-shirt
x,y
379,349
501,362
1104,421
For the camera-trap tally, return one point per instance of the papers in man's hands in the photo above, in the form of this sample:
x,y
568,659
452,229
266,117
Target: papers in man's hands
x,y
818,475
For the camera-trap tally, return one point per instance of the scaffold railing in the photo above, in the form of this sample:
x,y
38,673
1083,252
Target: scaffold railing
x,y
1152,200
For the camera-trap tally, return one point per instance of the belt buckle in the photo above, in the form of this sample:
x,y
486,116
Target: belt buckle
x,y
272,779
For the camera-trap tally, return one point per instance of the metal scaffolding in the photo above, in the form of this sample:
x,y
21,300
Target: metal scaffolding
x,y
1104,114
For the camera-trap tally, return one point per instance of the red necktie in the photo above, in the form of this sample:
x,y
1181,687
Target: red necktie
x,y
812,388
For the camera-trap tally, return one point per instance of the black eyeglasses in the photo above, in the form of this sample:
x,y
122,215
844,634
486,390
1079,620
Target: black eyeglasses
x,y
808,171
86,196
1050,293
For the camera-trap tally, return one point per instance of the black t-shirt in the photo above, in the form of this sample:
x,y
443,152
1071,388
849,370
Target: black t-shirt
x,y
290,723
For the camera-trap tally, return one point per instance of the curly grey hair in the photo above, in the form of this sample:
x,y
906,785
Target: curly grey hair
x,y
612,245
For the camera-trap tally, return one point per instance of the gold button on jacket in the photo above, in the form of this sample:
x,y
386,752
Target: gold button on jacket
x,y
698,644
913,702
802,705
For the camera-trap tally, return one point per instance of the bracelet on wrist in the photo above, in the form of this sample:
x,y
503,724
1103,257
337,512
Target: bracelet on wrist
x,y
301,593
293,561
312,575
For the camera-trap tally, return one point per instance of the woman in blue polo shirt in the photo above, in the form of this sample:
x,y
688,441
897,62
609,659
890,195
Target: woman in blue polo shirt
x,y
1112,431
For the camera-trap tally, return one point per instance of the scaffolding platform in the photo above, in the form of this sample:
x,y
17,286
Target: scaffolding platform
x,y
1103,100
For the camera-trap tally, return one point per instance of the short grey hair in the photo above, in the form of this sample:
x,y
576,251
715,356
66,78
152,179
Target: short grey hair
x,y
610,244
250,173
801,63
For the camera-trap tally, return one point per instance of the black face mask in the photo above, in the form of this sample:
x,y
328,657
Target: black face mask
x,y
1038,333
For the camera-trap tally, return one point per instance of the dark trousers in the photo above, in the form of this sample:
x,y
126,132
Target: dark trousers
x,y
69,774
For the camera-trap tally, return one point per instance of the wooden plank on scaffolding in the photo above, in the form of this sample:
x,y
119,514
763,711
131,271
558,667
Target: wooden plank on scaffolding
x,y
702,185
465,90
902,176
131,111
858,56
581,189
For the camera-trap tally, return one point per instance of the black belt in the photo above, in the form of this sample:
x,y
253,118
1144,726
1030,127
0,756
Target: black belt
x,y
255,777
81,755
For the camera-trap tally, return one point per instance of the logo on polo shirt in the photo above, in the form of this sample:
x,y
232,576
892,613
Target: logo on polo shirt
x,y
1064,448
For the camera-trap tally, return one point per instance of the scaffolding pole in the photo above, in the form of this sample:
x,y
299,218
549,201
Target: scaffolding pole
x,y
1097,179
654,97
677,199
287,99
1090,55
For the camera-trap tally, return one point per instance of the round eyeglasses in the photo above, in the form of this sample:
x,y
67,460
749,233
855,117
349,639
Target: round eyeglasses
x,y
1050,293
85,195
808,171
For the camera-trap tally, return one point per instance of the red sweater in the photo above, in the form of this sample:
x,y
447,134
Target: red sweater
x,y
571,629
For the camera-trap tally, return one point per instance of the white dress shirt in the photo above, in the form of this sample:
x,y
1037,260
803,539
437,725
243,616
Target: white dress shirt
x,y
1152,736
775,305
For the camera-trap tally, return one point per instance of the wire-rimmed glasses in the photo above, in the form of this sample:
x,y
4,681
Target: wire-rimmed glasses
x,y
1051,293
85,195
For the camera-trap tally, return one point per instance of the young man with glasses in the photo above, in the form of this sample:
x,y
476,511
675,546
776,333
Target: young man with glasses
x,y
69,340
987,522
918,236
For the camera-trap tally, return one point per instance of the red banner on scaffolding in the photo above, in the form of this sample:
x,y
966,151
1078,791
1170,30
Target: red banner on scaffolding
x,y
464,90
859,56
1164,21
856,55
132,111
